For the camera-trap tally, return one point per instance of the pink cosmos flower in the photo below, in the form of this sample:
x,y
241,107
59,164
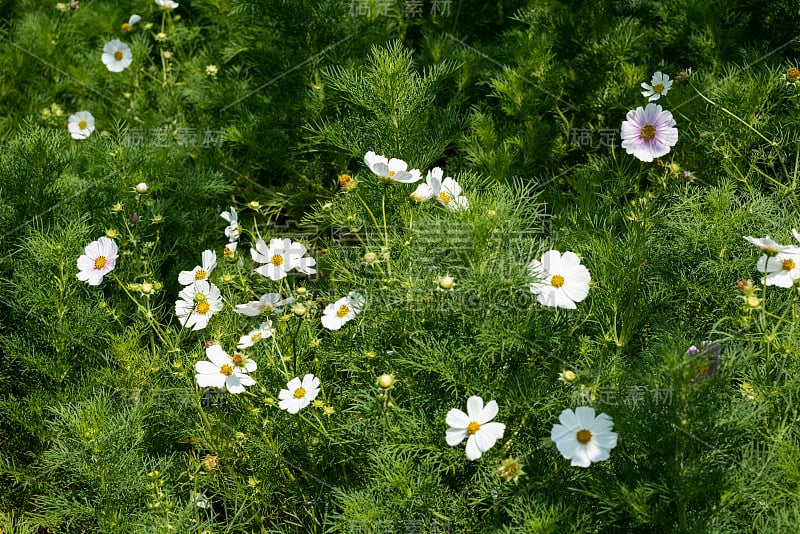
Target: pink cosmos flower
x,y
649,132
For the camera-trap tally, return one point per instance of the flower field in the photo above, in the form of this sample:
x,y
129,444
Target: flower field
x,y
394,266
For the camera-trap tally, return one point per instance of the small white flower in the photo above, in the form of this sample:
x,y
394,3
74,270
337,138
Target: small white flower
x,y
770,246
81,125
233,229
582,437
117,56
200,500
268,303
343,310
782,270
659,86
128,26
200,272
562,280
197,303
167,4
446,191
280,257
99,258
475,424
300,393
221,371
393,170
262,332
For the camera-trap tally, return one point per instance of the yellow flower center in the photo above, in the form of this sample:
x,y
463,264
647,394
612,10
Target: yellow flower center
x,y
238,358
787,265
228,253
445,197
391,173
125,26
226,370
256,336
299,393
557,280
344,310
203,307
118,55
200,275
584,436
648,132
82,125
657,88
277,260
100,262
793,73
473,427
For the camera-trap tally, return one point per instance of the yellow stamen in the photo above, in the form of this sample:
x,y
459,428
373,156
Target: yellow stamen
x,y
445,197
226,370
277,260
238,358
299,393
344,310
648,132
203,307
82,125
657,88
200,275
557,280
788,265
584,436
100,262
473,427
118,55
125,26
256,336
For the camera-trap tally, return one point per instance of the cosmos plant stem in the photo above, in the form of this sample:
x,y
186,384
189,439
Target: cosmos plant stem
x,y
772,143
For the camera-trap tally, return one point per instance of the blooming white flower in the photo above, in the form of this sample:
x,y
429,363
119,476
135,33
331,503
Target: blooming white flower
x,y
582,437
770,246
197,303
562,280
230,249
99,258
81,125
475,424
128,26
262,332
782,270
268,303
200,272
393,170
167,4
446,191
649,132
117,56
300,393
343,310
233,229
659,86
200,500
221,371
280,257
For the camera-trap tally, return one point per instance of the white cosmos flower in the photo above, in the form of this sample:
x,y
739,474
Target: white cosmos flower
x,y
280,257
81,125
782,270
262,332
562,280
343,310
117,56
582,437
659,86
200,272
300,393
221,371
233,229
268,303
770,246
197,303
393,170
475,426
167,4
128,26
99,258
446,191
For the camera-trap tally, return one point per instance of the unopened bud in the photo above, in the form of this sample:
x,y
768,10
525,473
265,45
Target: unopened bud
x,y
370,258
745,287
386,381
141,188
299,310
446,282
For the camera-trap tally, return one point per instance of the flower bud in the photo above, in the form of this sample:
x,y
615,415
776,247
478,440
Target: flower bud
x,y
141,188
147,288
301,291
753,302
346,182
446,282
370,258
386,381
745,287
299,310
111,233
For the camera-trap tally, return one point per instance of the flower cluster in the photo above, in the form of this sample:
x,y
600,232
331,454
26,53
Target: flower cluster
x,y
649,132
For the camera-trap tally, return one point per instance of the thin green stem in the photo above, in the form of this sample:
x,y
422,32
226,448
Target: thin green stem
x,y
772,143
